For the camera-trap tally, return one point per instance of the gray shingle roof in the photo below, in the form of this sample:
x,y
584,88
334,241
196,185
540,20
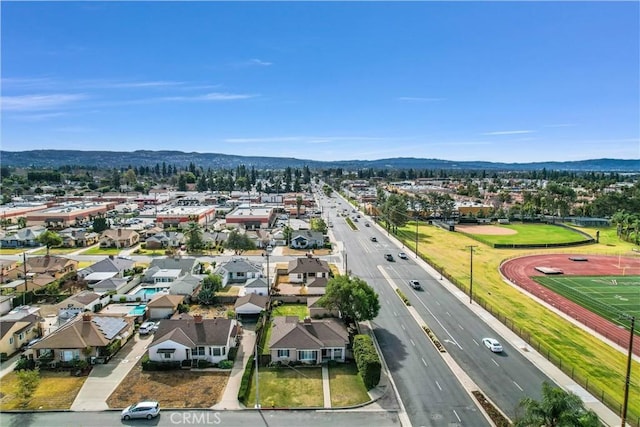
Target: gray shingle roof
x,y
189,332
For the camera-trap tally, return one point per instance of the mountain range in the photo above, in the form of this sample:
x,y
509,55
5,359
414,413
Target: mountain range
x,y
121,159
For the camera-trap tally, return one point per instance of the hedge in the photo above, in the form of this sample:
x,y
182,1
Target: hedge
x,y
150,365
367,360
245,383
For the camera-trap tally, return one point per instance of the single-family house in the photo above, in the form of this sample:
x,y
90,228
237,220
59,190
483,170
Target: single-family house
x,y
257,285
186,265
307,239
192,339
34,282
305,270
112,266
308,341
52,265
114,285
163,306
251,305
6,302
78,237
22,238
8,270
238,270
119,238
15,333
80,302
184,285
85,337
165,239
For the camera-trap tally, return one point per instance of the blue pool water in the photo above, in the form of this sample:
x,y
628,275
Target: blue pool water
x,y
138,310
145,293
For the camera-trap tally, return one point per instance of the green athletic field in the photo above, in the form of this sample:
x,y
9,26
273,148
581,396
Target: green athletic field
x,y
608,296
532,234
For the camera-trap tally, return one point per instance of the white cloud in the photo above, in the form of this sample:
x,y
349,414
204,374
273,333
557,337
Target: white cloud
x,y
213,96
39,102
260,62
508,132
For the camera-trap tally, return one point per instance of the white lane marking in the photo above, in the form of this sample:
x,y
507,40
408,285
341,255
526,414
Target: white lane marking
x,y
425,363
402,326
438,384
517,385
412,343
459,420
461,327
448,314
395,314
476,342
440,323
495,362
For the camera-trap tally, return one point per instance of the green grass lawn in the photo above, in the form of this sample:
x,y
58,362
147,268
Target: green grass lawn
x,y
291,387
12,251
347,387
102,251
533,234
579,350
299,310
608,296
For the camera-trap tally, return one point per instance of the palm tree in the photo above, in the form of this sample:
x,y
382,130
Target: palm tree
x,y
557,408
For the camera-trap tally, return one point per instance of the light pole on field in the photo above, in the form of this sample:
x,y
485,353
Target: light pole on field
x,y
471,273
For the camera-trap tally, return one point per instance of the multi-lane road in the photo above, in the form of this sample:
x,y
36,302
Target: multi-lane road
x,y
430,391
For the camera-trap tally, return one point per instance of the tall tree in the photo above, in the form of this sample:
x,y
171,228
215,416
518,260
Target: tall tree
x,y
50,239
557,408
239,242
193,236
352,297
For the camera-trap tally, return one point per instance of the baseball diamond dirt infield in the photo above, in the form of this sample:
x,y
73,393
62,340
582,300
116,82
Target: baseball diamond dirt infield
x,y
520,270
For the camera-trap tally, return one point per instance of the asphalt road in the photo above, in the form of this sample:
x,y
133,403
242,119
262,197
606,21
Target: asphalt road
x,y
205,418
431,394
505,378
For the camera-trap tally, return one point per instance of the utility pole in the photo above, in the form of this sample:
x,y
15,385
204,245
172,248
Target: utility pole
x,y
416,237
627,379
26,283
471,273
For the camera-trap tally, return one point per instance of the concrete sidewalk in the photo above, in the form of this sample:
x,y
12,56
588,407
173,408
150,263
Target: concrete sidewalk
x,y
326,388
229,400
9,364
104,379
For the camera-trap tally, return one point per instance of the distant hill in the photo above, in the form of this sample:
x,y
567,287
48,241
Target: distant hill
x,y
118,159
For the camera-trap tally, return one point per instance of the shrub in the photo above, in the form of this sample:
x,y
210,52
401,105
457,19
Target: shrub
x,y
403,297
123,299
367,360
245,383
233,351
225,364
203,364
25,364
150,365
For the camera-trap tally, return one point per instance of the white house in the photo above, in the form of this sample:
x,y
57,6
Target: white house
x,y
238,270
308,269
251,304
80,302
193,338
257,285
307,239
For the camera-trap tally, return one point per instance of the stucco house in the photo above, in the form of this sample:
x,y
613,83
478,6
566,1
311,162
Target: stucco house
x,y
307,239
192,339
307,269
78,237
165,239
308,341
186,265
24,237
52,265
251,304
257,285
14,333
164,306
119,238
82,338
238,270
80,302
112,266
8,270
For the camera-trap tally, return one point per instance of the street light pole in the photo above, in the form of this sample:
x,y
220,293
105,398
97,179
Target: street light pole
x,y
471,273
628,376
416,237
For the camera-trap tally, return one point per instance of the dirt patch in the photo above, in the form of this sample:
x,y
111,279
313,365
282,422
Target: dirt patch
x,y
211,311
173,389
487,230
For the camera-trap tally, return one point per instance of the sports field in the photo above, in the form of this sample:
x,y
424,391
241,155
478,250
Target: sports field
x,y
523,234
607,296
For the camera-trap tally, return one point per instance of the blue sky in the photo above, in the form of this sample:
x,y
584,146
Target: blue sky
x,y
494,81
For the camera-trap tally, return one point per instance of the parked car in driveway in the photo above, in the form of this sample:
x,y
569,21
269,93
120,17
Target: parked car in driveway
x,y
402,255
415,284
147,409
492,344
147,328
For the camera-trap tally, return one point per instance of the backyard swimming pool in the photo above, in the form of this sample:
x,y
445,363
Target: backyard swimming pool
x,y
138,310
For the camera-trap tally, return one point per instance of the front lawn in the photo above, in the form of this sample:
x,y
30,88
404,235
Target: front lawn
x,y
173,389
96,250
299,310
57,390
346,385
288,387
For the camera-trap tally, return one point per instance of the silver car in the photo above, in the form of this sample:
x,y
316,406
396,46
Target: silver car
x,y
147,409
492,344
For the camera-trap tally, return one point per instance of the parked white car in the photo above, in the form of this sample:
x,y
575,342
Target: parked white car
x,y
147,328
492,344
146,409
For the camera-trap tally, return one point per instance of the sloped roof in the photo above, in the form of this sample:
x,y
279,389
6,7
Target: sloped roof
x,y
289,332
256,282
81,333
18,325
318,282
186,264
48,263
255,299
188,332
110,265
112,283
165,301
84,297
240,265
308,265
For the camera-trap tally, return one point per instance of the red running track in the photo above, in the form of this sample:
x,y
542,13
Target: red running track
x,y
520,270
